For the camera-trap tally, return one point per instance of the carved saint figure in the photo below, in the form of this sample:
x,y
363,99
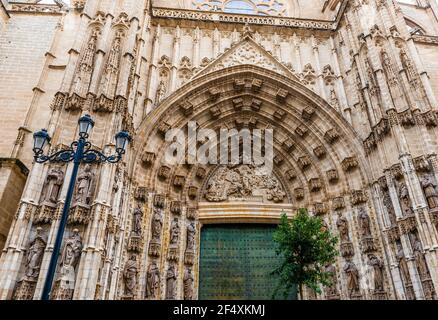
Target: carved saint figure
x,y
405,201
69,259
402,264
188,284
352,278
420,259
35,255
387,202
157,224
174,232
137,221
364,223
130,275
377,265
152,280
429,188
171,283
83,191
161,92
53,184
191,231
342,225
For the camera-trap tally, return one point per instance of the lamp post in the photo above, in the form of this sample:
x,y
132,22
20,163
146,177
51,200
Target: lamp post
x,y
79,152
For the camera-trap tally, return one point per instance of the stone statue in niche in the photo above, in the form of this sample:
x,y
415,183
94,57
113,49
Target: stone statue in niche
x,y
342,225
420,259
130,276
174,232
69,260
152,280
157,224
377,265
352,273
429,188
191,231
52,186
387,202
84,186
137,221
188,284
171,283
405,201
402,264
35,255
240,181
364,223
161,92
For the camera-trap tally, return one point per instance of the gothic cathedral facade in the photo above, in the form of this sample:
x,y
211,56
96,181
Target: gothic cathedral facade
x,y
349,89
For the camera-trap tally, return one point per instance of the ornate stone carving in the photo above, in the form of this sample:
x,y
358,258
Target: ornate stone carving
x,y
190,244
332,175
304,162
130,276
353,284
159,200
52,186
152,281
173,240
164,172
378,275
67,275
188,284
171,278
422,164
156,227
148,158
331,136
320,208
141,194
84,189
315,184
242,181
137,221
299,193
349,163
405,200
176,207
430,191
338,203
358,197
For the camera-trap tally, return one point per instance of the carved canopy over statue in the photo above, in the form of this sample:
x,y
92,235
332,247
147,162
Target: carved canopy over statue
x,y
243,181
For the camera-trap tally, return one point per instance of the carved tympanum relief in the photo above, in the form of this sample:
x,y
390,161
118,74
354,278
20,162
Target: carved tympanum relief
x,y
243,182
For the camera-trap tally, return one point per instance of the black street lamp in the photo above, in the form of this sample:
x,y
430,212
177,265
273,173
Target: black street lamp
x,y
79,152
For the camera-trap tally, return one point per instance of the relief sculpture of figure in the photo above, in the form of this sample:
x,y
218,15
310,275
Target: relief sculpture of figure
x,y
352,278
137,221
377,265
84,183
429,188
387,202
69,259
342,225
191,231
130,275
420,259
171,283
405,201
364,223
152,280
188,284
174,232
52,186
402,264
332,288
157,224
35,255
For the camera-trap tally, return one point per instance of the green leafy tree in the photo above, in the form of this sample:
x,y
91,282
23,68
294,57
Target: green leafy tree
x,y
307,247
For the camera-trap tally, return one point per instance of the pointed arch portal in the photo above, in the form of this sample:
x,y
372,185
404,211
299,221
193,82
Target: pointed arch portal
x,y
318,158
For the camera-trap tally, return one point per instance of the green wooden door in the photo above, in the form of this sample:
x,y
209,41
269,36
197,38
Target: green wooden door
x,y
236,262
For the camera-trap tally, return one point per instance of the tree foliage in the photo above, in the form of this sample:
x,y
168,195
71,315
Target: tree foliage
x,y
306,247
